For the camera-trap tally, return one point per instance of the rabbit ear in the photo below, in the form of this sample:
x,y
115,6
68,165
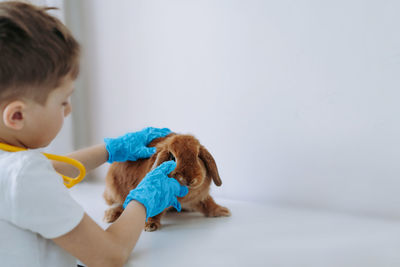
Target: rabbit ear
x,y
211,166
161,156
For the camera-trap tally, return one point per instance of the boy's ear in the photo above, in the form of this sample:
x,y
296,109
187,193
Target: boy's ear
x,y
13,115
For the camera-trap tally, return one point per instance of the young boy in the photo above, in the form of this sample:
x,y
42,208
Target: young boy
x,y
40,224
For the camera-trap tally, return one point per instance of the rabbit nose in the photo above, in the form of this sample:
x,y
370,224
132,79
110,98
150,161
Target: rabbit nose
x,y
178,177
182,181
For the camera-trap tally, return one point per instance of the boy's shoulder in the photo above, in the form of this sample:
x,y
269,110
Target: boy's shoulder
x,y
22,159
15,166
33,196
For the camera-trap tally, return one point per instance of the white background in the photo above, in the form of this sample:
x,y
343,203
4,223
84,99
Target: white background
x,y
298,101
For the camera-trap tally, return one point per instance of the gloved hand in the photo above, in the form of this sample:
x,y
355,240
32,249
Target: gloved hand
x,y
133,146
157,191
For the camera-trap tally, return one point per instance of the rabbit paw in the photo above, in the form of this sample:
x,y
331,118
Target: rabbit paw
x,y
112,214
219,211
152,226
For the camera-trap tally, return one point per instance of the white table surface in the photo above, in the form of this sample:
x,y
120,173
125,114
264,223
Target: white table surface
x,y
258,235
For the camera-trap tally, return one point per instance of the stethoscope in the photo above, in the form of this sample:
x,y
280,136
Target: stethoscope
x,y
68,181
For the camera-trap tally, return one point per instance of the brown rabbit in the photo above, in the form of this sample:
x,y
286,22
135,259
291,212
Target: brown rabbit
x,y
195,169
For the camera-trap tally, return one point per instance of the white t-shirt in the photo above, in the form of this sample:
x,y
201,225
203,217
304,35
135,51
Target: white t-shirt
x,y
35,207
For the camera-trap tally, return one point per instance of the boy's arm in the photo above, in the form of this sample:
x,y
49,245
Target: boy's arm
x,y
95,247
91,158
131,146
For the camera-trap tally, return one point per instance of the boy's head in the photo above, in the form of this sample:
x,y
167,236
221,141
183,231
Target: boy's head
x,y
38,57
37,51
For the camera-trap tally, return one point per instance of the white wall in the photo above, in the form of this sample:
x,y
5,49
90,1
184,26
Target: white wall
x,y
297,100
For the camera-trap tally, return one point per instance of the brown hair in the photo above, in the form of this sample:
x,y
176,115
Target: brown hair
x,y
37,52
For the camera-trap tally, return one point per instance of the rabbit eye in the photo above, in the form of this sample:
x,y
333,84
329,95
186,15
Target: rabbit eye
x,y
171,156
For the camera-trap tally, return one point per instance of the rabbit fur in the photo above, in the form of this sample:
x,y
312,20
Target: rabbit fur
x,y
195,168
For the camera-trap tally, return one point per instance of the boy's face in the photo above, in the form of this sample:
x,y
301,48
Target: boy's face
x,y
43,123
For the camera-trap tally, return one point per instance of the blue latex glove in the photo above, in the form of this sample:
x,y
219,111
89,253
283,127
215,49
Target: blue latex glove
x,y
157,191
133,146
